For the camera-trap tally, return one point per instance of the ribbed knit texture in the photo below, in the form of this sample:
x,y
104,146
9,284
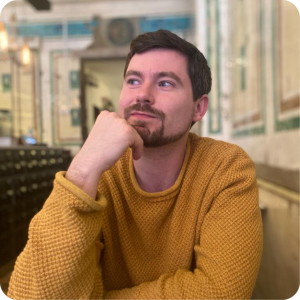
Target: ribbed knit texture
x,y
200,239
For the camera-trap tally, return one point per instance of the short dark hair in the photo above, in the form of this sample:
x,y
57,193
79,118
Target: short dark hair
x,y
198,69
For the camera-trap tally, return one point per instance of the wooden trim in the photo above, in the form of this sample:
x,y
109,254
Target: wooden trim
x,y
290,104
278,190
285,178
248,120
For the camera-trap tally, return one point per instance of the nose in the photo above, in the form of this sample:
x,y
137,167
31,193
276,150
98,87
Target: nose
x,y
145,94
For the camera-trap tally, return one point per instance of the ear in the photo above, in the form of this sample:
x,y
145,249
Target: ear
x,y
200,107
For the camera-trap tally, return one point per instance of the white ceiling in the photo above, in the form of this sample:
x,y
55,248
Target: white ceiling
x,y
15,3
63,9
77,1
69,1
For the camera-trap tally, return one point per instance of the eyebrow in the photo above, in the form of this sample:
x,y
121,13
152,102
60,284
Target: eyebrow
x,y
132,72
171,75
157,75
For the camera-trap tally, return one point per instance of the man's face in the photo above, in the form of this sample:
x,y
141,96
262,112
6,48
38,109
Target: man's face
x,y
156,97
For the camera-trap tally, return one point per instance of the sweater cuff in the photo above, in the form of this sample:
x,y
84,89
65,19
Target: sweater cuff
x,y
99,204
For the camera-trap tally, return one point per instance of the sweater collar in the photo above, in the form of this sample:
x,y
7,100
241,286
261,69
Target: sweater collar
x,y
166,194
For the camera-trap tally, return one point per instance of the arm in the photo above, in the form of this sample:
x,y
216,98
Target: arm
x,y
230,244
60,260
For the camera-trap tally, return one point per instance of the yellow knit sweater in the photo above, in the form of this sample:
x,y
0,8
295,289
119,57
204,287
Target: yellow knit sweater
x,y
200,239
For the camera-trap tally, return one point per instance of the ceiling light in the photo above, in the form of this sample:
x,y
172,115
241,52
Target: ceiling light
x,y
25,54
3,37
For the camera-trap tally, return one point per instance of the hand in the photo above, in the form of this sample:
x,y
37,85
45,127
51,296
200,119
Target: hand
x,y
109,138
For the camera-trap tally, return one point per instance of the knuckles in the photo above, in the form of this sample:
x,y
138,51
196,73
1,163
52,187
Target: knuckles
x,y
113,122
127,130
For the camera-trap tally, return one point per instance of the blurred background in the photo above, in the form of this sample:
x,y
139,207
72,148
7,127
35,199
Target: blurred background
x,y
62,61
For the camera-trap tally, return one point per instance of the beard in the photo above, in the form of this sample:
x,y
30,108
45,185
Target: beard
x,y
157,137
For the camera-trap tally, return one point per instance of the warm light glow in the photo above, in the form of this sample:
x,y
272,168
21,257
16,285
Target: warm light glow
x,y
3,37
25,55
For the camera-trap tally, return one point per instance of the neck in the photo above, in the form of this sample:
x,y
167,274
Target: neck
x,y
159,167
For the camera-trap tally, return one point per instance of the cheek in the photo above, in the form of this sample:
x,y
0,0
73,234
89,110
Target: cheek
x,y
180,117
182,111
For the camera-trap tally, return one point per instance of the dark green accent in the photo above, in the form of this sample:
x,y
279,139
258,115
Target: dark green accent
x,y
6,82
171,23
75,117
250,131
74,79
218,73
243,69
55,30
259,129
288,124
293,122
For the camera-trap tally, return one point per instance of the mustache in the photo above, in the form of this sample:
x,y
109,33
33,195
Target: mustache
x,y
144,108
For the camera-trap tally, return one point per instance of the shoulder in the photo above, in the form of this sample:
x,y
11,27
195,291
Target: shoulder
x,y
212,147
211,154
222,164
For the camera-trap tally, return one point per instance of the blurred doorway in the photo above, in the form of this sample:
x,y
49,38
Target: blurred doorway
x,y
101,84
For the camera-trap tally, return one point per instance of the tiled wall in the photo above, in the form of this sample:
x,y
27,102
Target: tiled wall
x,y
255,97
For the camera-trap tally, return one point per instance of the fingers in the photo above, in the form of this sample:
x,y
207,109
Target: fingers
x,y
123,130
137,146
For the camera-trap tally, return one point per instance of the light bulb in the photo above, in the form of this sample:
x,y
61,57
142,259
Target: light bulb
x,y
3,37
25,54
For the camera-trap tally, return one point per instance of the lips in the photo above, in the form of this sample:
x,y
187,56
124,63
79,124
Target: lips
x,y
142,115
143,111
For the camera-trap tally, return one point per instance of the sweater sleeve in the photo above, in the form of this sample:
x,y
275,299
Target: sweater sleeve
x,y
229,247
61,257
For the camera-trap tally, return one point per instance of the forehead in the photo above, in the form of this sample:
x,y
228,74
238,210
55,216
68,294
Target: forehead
x,y
159,60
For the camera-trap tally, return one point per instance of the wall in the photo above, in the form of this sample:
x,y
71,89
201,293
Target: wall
x,y
69,28
5,96
65,94
106,9
276,130
19,93
252,48
278,276
253,51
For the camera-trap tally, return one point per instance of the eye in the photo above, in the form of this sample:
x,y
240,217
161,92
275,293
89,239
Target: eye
x,y
165,84
132,81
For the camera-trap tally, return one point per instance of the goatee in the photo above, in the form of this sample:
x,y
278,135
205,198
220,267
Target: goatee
x,y
155,138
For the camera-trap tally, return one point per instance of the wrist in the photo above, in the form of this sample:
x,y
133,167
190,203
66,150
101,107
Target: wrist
x,y
84,177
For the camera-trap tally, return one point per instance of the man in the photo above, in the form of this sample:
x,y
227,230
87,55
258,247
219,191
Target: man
x,y
147,210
